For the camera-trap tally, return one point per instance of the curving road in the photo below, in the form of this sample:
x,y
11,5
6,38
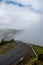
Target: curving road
x,y
13,56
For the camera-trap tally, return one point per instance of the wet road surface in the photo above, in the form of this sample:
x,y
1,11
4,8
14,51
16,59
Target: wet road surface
x,y
15,55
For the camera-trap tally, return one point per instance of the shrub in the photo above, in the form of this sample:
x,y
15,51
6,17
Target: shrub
x,y
40,57
6,41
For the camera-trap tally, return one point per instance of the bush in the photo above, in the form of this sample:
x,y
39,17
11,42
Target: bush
x,y
6,41
40,57
2,42
12,40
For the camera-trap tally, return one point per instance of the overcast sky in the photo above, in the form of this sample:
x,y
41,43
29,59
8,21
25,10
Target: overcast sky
x,y
23,14
20,14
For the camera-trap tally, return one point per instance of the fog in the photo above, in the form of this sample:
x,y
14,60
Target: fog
x,y
25,15
32,34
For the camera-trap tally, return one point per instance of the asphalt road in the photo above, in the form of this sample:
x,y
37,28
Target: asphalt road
x,y
14,55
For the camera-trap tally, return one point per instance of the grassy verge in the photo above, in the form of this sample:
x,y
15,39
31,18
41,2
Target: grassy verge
x,y
38,50
37,62
1,51
6,47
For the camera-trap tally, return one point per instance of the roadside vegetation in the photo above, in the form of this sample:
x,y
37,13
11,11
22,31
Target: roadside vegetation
x,y
6,45
34,60
38,49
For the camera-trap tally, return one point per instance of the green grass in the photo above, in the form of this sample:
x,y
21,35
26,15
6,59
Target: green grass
x,y
2,51
30,61
38,49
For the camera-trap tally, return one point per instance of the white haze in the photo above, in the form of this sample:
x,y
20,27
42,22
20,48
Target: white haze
x,y
29,19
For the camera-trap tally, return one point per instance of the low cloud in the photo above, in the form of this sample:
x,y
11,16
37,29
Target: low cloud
x,y
18,14
23,14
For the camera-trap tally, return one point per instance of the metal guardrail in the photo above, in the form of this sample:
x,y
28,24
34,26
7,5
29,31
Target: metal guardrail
x,y
33,50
